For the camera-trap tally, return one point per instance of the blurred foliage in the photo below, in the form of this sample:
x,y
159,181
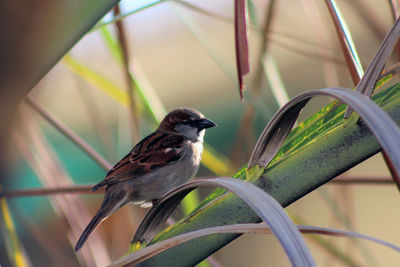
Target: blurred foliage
x,y
184,68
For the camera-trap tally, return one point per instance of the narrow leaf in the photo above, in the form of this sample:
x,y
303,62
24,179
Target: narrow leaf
x,y
344,233
112,44
381,125
395,8
274,80
147,252
242,53
346,42
13,246
263,204
124,15
286,45
130,85
108,87
293,176
202,37
374,70
43,191
39,154
69,134
252,12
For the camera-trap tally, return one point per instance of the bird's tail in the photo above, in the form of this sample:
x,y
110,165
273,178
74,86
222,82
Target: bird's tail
x,y
108,206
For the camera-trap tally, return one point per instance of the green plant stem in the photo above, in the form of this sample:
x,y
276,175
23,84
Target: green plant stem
x,y
289,179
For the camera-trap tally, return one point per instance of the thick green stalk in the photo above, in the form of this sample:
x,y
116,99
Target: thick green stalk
x,y
334,150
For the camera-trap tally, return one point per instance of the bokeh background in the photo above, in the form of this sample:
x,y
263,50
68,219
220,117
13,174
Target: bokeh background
x,y
184,51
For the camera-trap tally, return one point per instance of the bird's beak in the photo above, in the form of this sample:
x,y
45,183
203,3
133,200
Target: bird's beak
x,y
205,123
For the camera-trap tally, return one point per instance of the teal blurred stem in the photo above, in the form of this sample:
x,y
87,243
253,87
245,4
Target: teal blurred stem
x,y
335,150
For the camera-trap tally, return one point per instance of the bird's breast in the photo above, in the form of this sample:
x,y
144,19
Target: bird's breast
x,y
197,148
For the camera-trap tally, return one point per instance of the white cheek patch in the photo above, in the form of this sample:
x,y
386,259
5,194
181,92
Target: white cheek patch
x,y
201,135
188,131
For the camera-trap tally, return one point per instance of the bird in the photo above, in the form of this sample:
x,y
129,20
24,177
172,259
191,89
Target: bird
x,y
163,160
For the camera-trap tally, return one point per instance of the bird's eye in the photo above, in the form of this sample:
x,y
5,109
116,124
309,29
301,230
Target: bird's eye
x,y
188,121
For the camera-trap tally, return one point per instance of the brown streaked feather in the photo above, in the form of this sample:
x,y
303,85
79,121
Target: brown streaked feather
x,y
148,155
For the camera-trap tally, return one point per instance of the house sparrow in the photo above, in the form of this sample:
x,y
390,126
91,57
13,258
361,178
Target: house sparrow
x,y
168,157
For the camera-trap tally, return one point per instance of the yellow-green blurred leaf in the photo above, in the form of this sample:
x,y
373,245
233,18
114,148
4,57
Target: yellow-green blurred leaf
x,y
108,87
13,246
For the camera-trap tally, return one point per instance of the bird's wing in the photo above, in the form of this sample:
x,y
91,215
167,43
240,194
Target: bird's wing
x,y
153,152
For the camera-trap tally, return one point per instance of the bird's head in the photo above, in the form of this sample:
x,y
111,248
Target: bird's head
x,y
186,121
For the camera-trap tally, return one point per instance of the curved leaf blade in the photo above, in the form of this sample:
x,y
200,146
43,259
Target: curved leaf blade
x,y
291,177
382,126
147,252
242,52
263,204
374,70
